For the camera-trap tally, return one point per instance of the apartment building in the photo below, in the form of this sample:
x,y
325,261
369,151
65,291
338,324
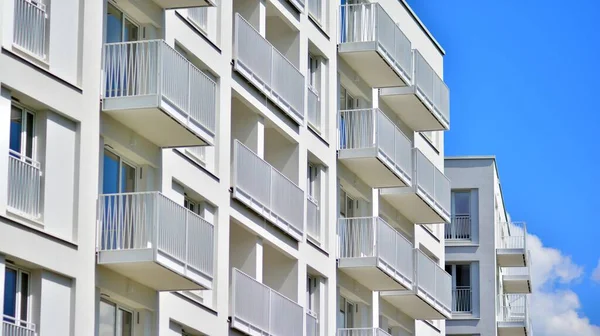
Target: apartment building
x,y
486,254
221,167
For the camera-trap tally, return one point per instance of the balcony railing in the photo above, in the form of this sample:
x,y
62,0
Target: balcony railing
x,y
30,25
152,68
462,299
431,87
313,220
432,183
24,185
255,306
299,4
433,281
267,191
199,16
371,128
314,108
459,228
369,22
312,324
368,237
315,9
268,69
361,332
130,221
14,327
513,308
512,235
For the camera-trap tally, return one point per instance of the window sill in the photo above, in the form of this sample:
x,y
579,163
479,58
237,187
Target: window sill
x,y
36,226
464,316
466,243
319,26
430,142
318,134
316,245
193,299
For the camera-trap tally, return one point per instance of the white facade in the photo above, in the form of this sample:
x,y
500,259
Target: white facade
x,y
221,167
486,253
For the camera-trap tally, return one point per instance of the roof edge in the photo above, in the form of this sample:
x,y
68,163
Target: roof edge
x,y
422,26
471,157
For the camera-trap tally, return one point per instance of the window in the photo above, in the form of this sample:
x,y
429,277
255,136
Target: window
x,y
17,296
22,133
313,72
192,205
346,313
119,27
312,288
313,181
347,102
114,320
347,205
461,287
460,227
118,174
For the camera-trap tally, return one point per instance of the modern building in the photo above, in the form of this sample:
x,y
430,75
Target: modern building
x,y
486,254
221,167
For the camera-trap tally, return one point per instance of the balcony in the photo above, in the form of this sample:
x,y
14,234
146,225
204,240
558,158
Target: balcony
x,y
427,201
462,300
31,23
24,186
374,46
154,241
425,104
431,295
459,229
313,220
374,149
159,94
375,254
513,315
511,250
258,310
361,332
314,109
312,324
174,4
268,192
14,327
516,280
268,70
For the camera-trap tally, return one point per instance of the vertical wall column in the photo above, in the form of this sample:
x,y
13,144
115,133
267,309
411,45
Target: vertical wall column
x,y
375,211
2,270
5,104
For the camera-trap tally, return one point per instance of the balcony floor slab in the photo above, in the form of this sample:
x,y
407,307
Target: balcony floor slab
x,y
507,257
516,284
414,304
512,329
370,63
373,274
414,206
371,167
413,109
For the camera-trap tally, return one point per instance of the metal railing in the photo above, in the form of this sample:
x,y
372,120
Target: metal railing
x,y
512,235
432,182
433,280
459,228
364,237
30,25
314,108
299,4
259,307
369,22
24,185
432,87
146,68
313,220
361,332
276,193
516,271
315,9
312,324
513,308
268,68
14,327
142,220
199,16
198,151
371,128
462,299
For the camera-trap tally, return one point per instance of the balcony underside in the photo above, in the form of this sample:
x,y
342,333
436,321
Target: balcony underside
x,y
414,206
160,272
157,120
512,329
371,64
516,284
412,107
372,167
373,274
416,305
515,257
244,197
172,4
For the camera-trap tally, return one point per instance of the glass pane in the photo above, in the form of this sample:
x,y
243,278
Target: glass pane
x,y
16,129
131,31
106,325
350,315
10,293
110,178
24,297
462,204
29,136
125,325
114,24
342,98
342,204
128,178
463,275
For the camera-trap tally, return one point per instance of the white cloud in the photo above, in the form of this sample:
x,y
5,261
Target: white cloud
x,y
556,309
596,273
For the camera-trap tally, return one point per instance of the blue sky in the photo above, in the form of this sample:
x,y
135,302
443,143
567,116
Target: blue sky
x,y
524,83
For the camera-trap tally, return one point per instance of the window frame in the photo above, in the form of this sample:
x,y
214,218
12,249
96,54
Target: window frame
x,y
124,17
22,153
18,299
119,307
122,160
